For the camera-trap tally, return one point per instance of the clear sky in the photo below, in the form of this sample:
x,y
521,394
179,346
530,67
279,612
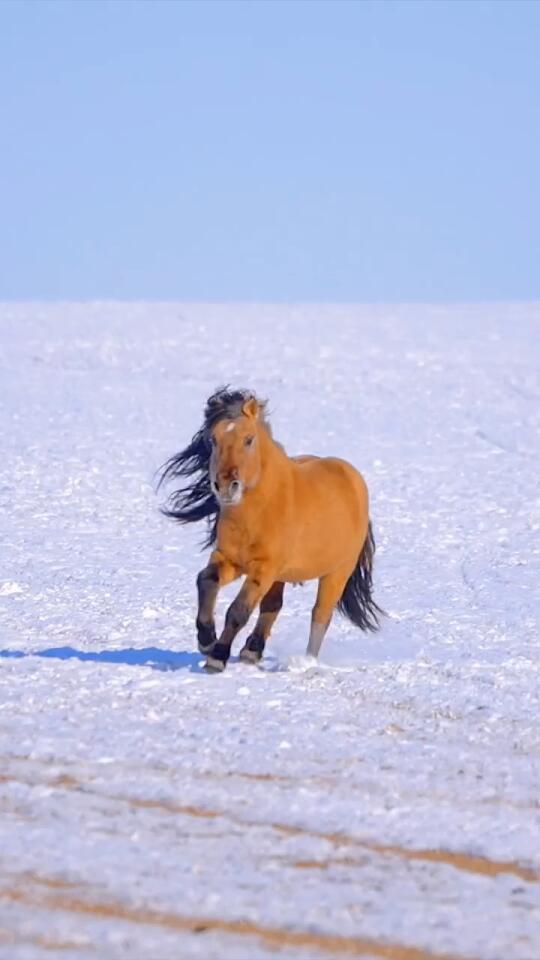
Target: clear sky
x,y
368,151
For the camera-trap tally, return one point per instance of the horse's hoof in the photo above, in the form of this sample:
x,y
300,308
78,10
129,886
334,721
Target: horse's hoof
x,y
249,656
214,666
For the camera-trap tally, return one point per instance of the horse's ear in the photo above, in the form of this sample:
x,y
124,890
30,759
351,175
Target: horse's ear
x,y
251,408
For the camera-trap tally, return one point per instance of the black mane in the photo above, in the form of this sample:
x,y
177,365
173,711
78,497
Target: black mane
x,y
195,500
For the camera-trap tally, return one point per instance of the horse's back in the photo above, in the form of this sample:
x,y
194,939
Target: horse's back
x,y
332,471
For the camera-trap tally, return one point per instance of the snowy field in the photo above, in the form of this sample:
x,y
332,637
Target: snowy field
x,y
385,804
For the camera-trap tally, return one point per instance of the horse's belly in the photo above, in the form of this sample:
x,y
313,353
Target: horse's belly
x,y
301,573
318,561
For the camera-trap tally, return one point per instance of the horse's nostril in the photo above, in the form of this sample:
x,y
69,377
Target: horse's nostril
x,y
235,486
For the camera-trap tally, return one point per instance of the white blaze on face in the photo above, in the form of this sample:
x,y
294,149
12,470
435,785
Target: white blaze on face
x,y
234,493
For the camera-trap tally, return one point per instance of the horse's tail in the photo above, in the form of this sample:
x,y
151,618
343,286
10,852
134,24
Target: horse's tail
x,y
356,601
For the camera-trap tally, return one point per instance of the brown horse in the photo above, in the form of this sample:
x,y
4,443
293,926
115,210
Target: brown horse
x,y
274,519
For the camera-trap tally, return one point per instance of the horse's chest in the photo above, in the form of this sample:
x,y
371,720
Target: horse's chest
x,y
238,543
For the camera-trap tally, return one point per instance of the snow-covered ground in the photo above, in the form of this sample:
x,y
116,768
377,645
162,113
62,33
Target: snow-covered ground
x,y
385,804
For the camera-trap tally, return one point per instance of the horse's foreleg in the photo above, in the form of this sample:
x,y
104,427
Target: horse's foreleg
x,y
217,574
330,590
271,604
253,590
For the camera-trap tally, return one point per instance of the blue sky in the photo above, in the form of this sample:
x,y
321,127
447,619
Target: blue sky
x,y
305,150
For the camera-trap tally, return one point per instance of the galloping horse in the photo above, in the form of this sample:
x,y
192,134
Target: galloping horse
x,y
274,519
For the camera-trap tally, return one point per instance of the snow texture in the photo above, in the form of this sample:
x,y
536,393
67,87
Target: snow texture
x,y
384,803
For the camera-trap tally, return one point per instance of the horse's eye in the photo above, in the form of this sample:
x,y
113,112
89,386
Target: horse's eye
x,y
248,442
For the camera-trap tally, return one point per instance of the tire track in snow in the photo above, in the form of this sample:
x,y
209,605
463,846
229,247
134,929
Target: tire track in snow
x,y
274,937
459,860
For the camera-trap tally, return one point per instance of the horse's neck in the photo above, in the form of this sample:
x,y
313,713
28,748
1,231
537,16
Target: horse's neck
x,y
275,464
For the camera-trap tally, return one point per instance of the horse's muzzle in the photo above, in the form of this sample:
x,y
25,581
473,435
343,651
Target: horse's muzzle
x,y
232,494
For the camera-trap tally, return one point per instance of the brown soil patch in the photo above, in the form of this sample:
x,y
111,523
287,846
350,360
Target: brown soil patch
x,y
326,863
46,943
461,861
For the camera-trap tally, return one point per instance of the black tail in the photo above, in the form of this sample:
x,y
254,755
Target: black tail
x,y
356,601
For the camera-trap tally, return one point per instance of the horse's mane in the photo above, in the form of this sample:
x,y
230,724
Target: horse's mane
x,y
195,500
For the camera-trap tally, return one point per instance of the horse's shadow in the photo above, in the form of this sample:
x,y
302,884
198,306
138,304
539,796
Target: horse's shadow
x,y
154,657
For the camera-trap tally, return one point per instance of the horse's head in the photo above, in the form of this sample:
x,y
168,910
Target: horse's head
x,y
235,461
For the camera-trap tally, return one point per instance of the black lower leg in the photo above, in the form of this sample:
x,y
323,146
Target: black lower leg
x,y
207,588
237,616
206,636
270,606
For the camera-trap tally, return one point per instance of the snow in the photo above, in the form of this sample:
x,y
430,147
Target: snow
x,y
383,802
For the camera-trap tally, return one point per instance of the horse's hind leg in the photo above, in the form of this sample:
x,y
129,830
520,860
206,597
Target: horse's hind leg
x,y
330,590
271,604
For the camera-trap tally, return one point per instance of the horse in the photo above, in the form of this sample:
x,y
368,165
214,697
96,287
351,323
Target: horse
x,y
273,519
